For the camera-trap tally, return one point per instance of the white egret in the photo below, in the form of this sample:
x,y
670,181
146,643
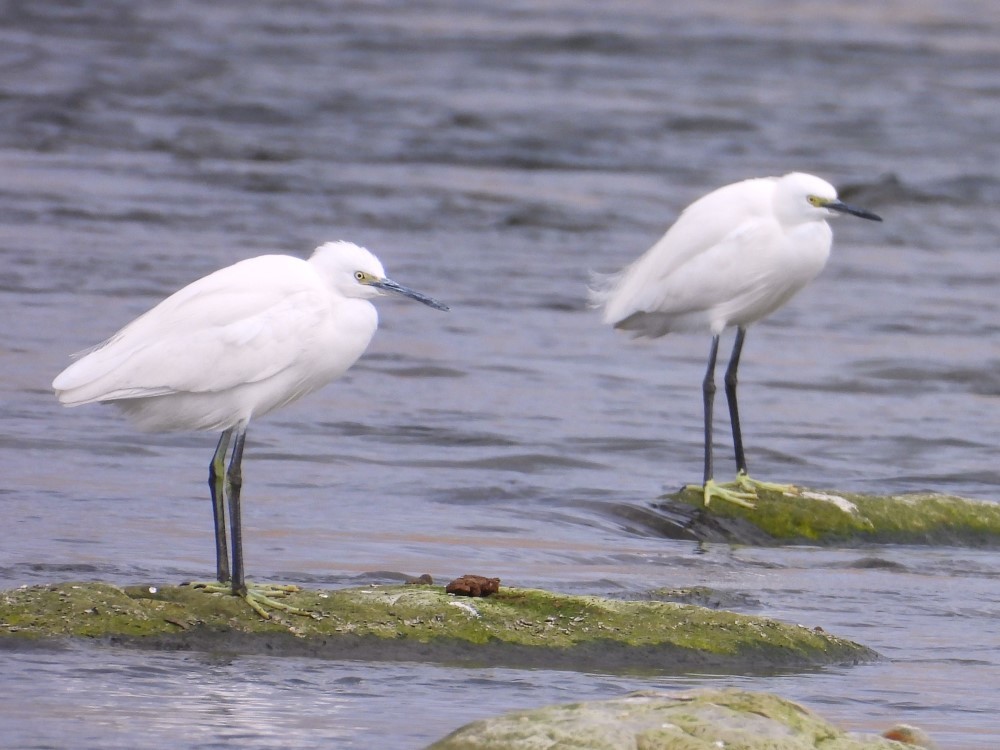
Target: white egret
x,y
732,257
231,347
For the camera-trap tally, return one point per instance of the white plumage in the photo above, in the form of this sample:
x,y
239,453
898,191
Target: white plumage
x,y
233,346
732,257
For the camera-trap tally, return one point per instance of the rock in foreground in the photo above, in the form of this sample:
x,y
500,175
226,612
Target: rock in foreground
x,y
653,720
513,627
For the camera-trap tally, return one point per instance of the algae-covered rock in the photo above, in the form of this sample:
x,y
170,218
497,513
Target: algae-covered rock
x,y
514,627
811,516
653,720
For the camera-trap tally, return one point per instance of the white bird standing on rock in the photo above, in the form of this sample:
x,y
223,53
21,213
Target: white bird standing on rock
x,y
233,346
732,257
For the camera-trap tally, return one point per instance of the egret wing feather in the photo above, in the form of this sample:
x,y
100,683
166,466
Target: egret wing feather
x,y
207,337
712,289
705,226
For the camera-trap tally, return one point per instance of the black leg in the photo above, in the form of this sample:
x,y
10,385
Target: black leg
x,y
708,390
235,476
217,486
734,412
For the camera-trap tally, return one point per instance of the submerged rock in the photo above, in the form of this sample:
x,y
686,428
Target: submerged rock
x,y
654,720
814,517
513,627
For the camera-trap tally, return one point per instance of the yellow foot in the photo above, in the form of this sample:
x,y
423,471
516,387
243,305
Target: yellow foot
x,y
736,495
744,481
261,597
267,595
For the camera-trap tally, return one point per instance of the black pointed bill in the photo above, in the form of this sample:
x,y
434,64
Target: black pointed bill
x,y
391,286
844,208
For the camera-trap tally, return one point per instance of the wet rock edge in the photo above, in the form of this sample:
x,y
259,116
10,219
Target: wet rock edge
x,y
524,628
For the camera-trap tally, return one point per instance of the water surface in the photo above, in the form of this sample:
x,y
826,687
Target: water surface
x,y
493,156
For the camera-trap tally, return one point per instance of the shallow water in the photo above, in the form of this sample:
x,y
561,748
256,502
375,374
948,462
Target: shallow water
x,y
493,156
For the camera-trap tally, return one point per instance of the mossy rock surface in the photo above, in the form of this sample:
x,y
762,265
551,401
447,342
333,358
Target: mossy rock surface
x,y
515,627
653,720
822,517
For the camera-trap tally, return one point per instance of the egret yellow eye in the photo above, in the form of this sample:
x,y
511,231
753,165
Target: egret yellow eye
x,y
360,275
815,200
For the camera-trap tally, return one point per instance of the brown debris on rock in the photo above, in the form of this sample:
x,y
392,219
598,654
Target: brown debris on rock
x,y
473,586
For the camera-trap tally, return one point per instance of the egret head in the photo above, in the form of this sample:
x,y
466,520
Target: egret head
x,y
805,197
354,272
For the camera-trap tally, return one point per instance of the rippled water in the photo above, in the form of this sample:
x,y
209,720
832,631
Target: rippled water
x,y
493,155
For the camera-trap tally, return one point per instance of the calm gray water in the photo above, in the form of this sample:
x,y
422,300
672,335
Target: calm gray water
x,y
493,155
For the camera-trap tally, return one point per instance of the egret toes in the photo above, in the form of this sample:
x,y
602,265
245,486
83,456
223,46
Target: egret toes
x,y
712,489
260,596
750,484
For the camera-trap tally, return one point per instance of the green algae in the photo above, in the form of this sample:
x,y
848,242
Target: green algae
x,y
513,627
837,517
656,720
